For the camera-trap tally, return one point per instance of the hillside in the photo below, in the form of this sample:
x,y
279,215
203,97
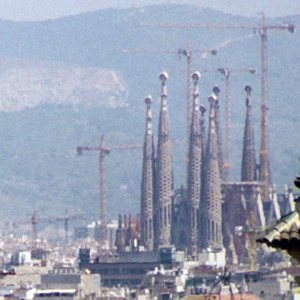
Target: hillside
x,y
77,58
37,85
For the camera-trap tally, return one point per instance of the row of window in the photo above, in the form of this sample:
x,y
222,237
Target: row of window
x,y
121,271
165,216
148,229
116,282
214,229
54,294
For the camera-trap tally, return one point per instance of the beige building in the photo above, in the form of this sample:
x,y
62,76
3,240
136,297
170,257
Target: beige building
x,y
68,284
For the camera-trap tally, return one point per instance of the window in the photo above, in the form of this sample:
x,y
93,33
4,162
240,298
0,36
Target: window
x,y
150,228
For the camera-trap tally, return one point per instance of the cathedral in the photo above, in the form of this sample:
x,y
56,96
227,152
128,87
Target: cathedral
x,y
211,214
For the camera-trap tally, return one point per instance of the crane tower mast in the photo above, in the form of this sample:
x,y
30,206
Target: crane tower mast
x,y
104,151
188,53
264,168
226,72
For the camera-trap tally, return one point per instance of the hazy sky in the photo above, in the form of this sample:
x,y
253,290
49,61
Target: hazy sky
x,y
20,10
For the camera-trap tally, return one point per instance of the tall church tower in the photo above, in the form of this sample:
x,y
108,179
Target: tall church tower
x,y
164,173
203,172
216,92
264,153
194,171
212,217
248,172
203,136
147,185
264,158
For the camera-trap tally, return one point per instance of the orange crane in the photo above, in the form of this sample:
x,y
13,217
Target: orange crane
x,y
35,220
262,29
104,151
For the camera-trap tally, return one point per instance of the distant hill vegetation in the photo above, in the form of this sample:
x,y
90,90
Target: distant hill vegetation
x,y
64,82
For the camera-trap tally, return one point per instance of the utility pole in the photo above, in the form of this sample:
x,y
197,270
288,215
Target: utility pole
x,y
262,29
104,151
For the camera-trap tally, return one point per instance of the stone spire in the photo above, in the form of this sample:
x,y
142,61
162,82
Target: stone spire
x,y
203,174
212,217
248,160
164,173
202,128
264,152
216,92
194,170
264,158
147,185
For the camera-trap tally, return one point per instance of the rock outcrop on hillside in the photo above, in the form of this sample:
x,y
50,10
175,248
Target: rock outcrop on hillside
x,y
30,84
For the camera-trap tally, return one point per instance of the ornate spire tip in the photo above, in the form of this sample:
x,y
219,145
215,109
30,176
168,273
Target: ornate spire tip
x,y
196,76
212,98
216,90
148,100
163,76
248,89
202,109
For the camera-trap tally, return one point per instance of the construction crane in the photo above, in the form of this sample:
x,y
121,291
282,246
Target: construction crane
x,y
187,52
262,29
66,220
35,220
226,72
104,151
